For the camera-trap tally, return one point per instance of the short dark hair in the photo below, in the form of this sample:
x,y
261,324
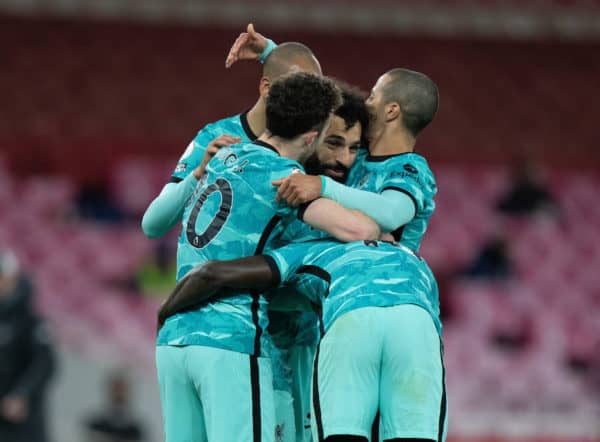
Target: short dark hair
x,y
300,102
417,96
353,109
283,57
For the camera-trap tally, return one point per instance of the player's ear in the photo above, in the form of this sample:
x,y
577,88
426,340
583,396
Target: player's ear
x,y
310,137
264,86
392,111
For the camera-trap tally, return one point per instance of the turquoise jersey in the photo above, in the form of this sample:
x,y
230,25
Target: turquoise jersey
x,y
232,214
406,172
347,276
236,126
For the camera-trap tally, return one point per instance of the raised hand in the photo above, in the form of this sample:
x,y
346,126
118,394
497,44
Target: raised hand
x,y
248,46
212,148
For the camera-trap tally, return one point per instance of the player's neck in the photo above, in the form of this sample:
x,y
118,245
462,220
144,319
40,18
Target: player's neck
x,y
286,148
257,118
392,142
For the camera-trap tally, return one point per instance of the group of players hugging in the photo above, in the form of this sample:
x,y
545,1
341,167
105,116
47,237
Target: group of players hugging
x,y
302,309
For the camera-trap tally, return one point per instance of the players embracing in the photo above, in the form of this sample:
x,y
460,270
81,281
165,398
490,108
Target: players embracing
x,y
395,188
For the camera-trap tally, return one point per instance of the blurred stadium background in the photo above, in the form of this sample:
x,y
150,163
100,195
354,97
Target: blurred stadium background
x,y
98,99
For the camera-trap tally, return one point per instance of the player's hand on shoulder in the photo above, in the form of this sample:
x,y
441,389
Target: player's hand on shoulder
x,y
248,46
212,148
298,188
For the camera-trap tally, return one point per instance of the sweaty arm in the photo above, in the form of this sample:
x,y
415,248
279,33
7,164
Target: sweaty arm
x,y
343,224
167,208
390,209
216,279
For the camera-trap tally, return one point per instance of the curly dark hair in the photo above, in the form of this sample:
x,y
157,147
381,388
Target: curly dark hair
x,y
300,102
353,109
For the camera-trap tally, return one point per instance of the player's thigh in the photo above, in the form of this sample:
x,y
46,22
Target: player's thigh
x,y
183,417
236,390
346,376
301,363
413,402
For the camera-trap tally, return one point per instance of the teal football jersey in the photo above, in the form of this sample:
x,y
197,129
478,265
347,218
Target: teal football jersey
x,y
232,214
347,276
308,329
408,173
236,126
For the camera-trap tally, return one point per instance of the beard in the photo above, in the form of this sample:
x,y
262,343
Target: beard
x,y
314,167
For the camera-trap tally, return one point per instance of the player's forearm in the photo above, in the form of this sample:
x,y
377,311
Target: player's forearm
x,y
343,224
167,208
213,279
195,288
390,209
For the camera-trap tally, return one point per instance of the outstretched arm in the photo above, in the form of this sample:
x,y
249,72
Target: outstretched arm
x,y
213,278
389,209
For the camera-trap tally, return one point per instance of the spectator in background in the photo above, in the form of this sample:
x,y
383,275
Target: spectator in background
x,y
491,262
26,358
94,203
116,423
528,194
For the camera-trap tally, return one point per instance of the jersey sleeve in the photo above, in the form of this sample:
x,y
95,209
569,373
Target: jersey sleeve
x,y
296,265
412,177
192,157
285,261
389,209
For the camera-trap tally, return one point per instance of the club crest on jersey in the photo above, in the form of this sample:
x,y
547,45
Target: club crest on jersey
x,y
296,170
180,168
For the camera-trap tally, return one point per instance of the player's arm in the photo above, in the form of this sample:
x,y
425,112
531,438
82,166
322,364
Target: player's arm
x,y
343,224
250,45
213,279
389,210
167,208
